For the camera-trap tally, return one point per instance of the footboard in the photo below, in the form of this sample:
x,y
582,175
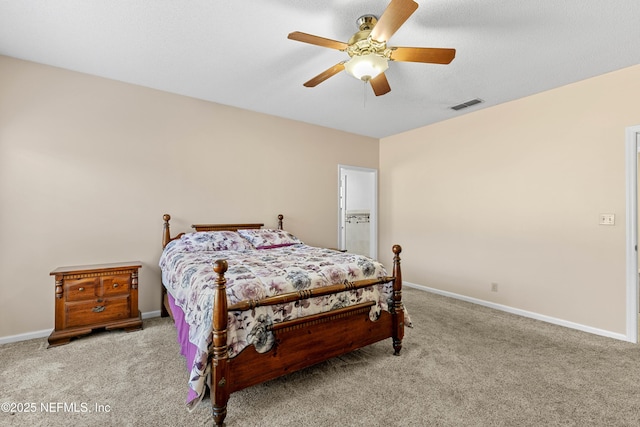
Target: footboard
x,y
302,342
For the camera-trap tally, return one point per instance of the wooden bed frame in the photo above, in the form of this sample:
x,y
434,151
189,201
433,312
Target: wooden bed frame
x,y
334,333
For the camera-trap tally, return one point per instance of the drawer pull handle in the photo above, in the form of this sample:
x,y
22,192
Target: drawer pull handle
x,y
115,285
98,308
81,289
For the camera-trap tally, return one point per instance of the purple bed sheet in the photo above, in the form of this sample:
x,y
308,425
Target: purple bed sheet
x,y
187,348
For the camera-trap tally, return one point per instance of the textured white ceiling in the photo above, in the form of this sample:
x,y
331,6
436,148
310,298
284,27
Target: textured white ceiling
x,y
237,52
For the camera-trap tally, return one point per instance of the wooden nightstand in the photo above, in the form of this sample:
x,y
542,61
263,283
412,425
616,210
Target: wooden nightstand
x,y
89,297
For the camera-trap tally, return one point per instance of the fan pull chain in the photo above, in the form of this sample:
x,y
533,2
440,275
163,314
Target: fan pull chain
x,y
364,94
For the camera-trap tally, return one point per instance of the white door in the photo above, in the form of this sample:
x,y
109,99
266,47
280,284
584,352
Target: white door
x,y
632,150
358,210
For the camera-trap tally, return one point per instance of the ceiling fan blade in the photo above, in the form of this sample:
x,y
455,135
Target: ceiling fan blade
x,y
433,55
325,75
380,84
392,19
316,40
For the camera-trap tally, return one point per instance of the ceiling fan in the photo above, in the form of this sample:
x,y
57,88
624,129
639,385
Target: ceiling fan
x,y
369,51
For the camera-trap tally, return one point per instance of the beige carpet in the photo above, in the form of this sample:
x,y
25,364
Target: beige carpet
x,y
461,365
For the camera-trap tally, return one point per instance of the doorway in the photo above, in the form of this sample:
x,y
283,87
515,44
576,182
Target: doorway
x,y
632,146
358,210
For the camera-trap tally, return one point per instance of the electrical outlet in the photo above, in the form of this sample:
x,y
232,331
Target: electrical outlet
x,y
494,287
607,219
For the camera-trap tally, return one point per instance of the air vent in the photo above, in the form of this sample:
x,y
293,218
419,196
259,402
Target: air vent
x,y
466,104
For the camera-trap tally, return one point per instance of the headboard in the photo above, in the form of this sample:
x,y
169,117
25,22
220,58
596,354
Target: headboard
x,y
224,227
166,232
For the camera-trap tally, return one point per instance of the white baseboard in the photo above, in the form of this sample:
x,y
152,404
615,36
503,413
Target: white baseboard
x,y
46,332
150,314
24,337
520,312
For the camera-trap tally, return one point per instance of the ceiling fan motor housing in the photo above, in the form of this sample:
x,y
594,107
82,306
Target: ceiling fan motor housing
x,y
362,44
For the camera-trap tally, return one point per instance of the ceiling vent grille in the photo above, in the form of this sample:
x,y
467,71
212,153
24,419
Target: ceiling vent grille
x,y
466,104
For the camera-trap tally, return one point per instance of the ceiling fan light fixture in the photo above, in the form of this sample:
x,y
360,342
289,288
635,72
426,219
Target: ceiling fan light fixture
x,y
366,67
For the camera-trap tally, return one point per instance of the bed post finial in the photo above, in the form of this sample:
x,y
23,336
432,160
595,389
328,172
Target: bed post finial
x,y
220,355
166,232
398,310
220,267
280,218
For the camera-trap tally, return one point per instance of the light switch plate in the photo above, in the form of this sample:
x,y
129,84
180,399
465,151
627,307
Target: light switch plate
x,y
607,219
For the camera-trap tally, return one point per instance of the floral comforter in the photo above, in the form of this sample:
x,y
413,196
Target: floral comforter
x,y
188,275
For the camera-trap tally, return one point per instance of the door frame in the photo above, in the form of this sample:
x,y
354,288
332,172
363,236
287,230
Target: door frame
x,y
631,154
373,215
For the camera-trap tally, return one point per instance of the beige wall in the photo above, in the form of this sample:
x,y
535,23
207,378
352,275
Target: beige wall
x,y
88,166
511,195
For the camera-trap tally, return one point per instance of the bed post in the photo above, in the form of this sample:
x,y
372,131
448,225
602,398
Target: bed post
x,y
280,218
398,310
166,231
166,238
220,356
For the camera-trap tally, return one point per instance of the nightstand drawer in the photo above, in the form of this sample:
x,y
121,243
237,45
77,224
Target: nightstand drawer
x,y
82,289
116,285
97,311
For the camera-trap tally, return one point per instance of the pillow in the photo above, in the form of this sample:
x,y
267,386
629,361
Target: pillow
x,y
215,241
266,238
